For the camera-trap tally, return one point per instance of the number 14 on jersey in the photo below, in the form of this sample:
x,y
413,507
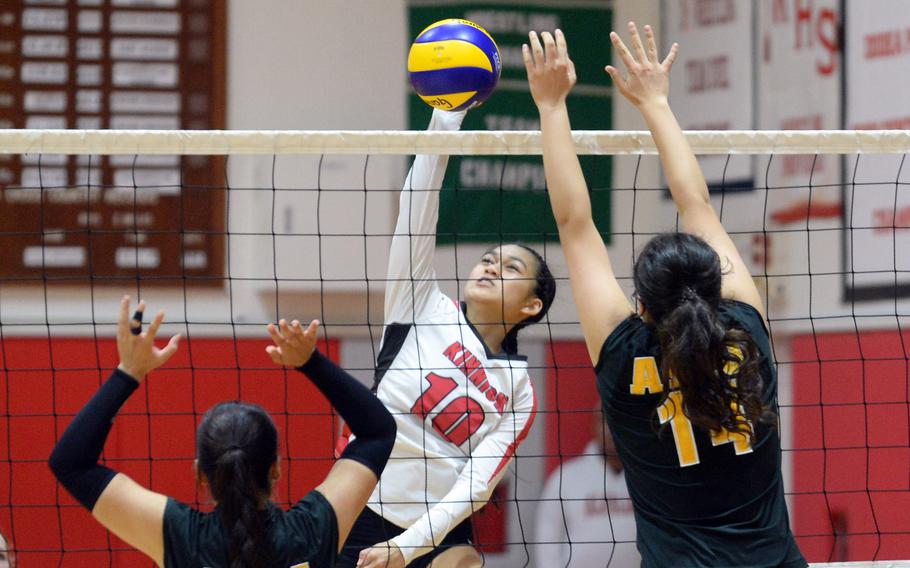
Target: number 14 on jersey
x,y
646,380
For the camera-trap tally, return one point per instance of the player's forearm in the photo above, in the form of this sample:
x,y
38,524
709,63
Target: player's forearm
x,y
430,529
475,484
418,203
565,180
363,412
410,269
74,460
684,176
419,199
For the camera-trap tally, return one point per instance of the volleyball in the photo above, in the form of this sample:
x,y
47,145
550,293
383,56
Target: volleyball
x,y
454,64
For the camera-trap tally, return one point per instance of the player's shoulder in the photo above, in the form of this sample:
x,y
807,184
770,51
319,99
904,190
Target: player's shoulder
x,y
179,516
631,338
189,533
442,307
311,529
741,312
744,316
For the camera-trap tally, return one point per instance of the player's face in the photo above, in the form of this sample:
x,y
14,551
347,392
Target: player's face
x,y
504,281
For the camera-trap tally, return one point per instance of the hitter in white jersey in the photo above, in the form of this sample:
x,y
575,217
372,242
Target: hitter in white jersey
x,y
451,376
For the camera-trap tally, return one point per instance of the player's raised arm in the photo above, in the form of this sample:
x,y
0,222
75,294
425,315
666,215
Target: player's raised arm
x,y
353,477
127,509
647,86
601,303
411,278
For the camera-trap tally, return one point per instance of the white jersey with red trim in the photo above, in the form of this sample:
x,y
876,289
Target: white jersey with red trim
x,y
461,411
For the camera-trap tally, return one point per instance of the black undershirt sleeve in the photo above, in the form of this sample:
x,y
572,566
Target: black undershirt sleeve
x,y
74,460
364,413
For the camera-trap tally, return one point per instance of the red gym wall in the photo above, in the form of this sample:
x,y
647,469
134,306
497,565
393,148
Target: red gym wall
x,y
851,475
571,396
36,404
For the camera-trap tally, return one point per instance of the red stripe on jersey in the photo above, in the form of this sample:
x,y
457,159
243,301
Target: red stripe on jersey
x,y
342,442
510,451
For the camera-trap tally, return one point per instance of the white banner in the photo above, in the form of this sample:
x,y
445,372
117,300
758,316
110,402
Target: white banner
x,y
711,84
799,88
878,84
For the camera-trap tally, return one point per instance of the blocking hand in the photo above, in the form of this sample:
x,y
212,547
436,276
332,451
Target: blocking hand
x,y
293,345
648,78
551,74
138,354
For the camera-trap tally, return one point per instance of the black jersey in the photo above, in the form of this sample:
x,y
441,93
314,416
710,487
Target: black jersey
x,y
699,499
306,536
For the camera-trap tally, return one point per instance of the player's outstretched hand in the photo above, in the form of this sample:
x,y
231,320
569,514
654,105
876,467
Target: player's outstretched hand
x,y
551,74
138,354
293,344
382,555
648,78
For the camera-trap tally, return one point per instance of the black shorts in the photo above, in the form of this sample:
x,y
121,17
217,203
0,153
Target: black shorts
x,y
370,529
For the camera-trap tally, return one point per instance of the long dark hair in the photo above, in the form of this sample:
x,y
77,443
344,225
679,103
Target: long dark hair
x,y
678,279
544,289
236,445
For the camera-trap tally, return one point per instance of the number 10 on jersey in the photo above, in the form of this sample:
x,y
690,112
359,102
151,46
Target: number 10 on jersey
x,y
459,419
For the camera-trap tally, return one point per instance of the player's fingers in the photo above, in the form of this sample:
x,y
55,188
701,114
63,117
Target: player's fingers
x,y
312,329
274,353
372,559
123,317
617,77
156,323
529,61
169,349
285,330
273,332
636,43
623,51
296,334
536,49
562,49
652,44
671,57
136,322
362,558
572,76
549,46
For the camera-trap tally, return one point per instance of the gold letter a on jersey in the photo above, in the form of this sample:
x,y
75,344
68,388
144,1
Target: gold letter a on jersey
x,y
645,377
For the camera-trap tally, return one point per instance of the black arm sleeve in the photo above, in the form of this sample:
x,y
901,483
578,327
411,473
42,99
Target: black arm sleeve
x,y
74,460
365,414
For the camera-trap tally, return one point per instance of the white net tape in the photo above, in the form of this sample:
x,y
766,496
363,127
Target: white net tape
x,y
212,142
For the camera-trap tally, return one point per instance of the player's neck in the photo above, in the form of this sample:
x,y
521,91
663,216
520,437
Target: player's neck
x,y
492,334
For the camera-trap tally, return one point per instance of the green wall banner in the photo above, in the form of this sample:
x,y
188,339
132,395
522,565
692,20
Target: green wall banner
x,y
488,198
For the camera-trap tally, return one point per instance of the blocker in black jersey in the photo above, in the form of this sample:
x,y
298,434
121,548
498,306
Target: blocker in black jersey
x,y
706,495
700,500
306,536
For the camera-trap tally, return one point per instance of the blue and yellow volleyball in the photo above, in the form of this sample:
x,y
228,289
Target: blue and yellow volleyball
x,y
454,64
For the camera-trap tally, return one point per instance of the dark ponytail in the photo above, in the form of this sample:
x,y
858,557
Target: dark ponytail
x,y
544,289
678,279
236,445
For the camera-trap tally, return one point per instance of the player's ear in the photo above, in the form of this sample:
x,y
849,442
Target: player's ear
x,y
275,471
532,307
201,481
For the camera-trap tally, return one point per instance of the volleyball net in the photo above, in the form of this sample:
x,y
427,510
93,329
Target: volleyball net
x,y
227,231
